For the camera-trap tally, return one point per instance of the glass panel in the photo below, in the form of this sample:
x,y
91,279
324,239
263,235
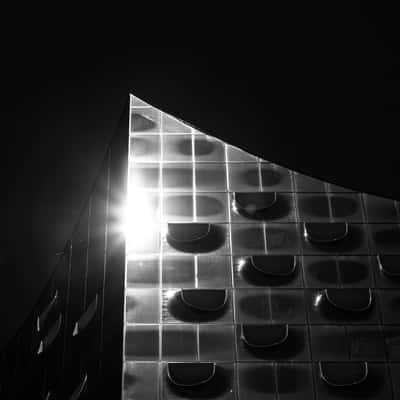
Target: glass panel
x,y
141,381
178,271
244,177
179,342
136,102
342,271
294,381
313,207
141,342
178,207
347,207
256,381
275,178
216,343
354,272
143,272
329,343
214,271
177,177
287,306
248,239
144,176
142,306
320,271
385,238
252,306
171,124
238,155
212,207
146,120
338,189
145,148
379,209
366,343
390,301
210,177
282,238
177,148
392,339
209,149
306,183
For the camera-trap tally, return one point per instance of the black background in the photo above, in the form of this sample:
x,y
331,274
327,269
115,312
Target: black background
x,y
314,89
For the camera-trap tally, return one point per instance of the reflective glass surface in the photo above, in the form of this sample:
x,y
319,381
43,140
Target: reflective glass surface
x,y
198,289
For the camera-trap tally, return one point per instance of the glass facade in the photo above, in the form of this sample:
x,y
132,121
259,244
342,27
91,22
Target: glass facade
x,y
253,281
197,270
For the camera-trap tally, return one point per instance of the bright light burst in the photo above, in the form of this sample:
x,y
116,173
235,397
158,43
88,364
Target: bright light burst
x,y
140,221
241,263
318,299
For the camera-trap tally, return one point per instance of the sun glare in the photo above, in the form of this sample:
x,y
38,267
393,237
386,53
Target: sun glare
x,y
140,220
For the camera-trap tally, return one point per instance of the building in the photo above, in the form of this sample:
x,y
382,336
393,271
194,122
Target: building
x,y
198,270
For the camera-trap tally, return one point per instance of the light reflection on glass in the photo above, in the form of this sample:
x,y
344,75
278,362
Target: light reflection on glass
x,y
241,263
169,294
318,299
140,220
234,208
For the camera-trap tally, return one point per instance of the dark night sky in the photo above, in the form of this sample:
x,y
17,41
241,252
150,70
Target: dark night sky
x,y
316,90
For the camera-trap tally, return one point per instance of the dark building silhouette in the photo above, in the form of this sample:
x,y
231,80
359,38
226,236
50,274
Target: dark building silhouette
x,y
71,344
197,270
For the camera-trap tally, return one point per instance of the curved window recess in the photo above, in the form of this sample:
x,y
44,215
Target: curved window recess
x,y
344,373
190,374
389,265
275,265
263,336
77,393
188,232
51,336
142,123
204,299
325,232
251,203
350,299
86,317
42,317
195,237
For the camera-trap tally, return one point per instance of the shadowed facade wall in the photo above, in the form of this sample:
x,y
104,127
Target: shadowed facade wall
x,y
72,340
